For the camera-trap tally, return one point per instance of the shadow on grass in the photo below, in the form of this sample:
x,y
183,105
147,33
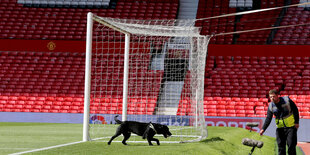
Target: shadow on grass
x,y
154,145
213,139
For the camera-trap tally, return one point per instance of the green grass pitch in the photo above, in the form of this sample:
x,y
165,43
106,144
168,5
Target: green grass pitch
x,y
19,137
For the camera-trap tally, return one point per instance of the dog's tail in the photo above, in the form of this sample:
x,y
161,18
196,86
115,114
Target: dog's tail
x,y
117,121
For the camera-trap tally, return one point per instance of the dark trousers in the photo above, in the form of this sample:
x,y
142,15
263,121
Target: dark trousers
x,y
287,136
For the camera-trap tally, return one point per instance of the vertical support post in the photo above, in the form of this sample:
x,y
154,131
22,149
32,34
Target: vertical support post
x,y
89,37
196,108
197,72
204,53
125,80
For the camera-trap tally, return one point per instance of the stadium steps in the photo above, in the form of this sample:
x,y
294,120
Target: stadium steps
x,y
188,9
169,97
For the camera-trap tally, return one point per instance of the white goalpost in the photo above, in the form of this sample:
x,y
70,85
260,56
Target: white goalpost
x,y
146,71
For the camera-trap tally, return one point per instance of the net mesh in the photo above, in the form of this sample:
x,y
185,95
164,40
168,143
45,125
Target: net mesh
x,y
165,76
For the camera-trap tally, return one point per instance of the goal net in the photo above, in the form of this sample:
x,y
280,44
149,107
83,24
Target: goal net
x,y
145,71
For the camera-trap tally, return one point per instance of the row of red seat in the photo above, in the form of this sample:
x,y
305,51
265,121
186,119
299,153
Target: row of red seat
x,y
245,108
260,58
227,108
73,105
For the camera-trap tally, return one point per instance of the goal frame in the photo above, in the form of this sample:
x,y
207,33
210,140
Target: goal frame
x,y
87,91
89,36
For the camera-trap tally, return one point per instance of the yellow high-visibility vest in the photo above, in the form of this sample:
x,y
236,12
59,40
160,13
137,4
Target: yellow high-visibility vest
x,y
284,121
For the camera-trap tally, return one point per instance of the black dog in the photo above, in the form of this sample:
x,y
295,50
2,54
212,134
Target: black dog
x,y
146,130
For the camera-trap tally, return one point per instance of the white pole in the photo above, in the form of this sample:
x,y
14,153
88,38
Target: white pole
x,y
89,37
196,108
125,80
197,82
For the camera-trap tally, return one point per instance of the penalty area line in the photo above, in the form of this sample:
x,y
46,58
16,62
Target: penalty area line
x,y
46,148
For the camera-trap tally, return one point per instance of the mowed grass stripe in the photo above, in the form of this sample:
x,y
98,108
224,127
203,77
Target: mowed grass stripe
x,y
36,135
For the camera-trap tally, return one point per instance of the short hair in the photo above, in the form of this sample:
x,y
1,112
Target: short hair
x,y
274,91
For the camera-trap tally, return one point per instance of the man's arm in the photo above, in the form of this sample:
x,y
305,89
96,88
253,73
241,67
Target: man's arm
x,y
295,113
267,121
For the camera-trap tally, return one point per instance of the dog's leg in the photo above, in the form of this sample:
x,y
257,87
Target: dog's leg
x,y
157,141
149,140
126,137
113,137
118,133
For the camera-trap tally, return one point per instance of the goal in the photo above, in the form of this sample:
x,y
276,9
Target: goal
x,y
146,71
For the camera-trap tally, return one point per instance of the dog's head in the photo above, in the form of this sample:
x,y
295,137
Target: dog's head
x,y
163,129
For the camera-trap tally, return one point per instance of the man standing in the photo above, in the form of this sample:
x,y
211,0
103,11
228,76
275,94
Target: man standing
x,y
287,121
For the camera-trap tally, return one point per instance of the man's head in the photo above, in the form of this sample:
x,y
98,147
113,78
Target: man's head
x,y
273,95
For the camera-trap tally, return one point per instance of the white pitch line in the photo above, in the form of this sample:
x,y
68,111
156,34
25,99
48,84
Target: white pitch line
x,y
46,148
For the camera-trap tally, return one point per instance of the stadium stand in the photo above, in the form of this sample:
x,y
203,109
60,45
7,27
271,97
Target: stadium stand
x,y
237,86
41,81
247,80
53,81
294,35
215,8
22,22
